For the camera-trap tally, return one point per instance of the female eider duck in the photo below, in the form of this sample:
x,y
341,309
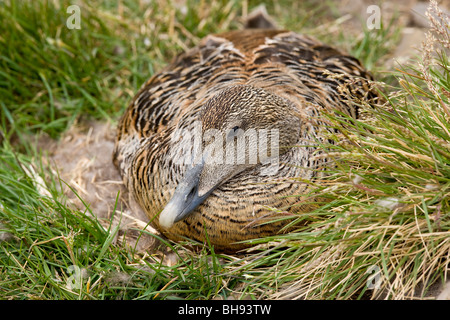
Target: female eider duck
x,y
230,130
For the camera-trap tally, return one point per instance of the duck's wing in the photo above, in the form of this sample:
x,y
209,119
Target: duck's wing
x,y
167,95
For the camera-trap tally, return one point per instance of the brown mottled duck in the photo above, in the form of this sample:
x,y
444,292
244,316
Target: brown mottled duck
x,y
177,142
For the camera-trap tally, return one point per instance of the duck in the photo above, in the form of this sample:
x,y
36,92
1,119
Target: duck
x,y
223,145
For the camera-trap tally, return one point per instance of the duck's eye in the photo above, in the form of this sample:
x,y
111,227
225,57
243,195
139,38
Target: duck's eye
x,y
233,132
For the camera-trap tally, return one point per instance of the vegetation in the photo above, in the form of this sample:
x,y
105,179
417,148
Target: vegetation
x,y
384,233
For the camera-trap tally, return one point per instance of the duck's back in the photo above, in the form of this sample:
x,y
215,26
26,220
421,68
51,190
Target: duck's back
x,y
296,67
273,59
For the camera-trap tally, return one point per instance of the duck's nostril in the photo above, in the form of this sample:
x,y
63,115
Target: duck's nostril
x,y
190,194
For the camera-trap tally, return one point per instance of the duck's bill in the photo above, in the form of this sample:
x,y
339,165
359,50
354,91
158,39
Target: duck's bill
x,y
185,198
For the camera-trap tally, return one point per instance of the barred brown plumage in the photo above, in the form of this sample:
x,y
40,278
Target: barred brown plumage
x,y
248,79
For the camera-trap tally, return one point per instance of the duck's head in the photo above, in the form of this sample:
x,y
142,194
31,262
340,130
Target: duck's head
x,y
242,127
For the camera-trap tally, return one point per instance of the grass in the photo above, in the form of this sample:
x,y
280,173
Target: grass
x,y
388,206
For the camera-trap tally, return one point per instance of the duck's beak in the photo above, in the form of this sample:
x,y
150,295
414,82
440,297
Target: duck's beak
x,y
185,198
